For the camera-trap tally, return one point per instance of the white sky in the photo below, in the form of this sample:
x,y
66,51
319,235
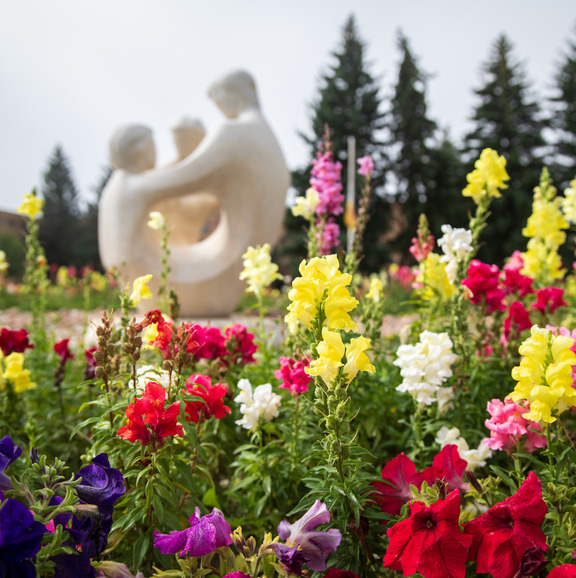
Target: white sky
x,y
71,71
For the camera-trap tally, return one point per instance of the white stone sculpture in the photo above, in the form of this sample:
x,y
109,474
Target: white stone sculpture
x,y
237,172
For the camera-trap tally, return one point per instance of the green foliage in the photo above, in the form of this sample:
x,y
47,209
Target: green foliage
x,y
15,249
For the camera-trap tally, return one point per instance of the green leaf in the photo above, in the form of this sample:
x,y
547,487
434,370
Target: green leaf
x,y
211,499
140,549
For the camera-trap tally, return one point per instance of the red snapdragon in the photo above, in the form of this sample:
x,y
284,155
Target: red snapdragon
x,y
293,375
14,341
549,299
211,403
483,283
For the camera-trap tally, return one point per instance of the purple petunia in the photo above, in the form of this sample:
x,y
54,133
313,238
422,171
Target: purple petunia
x,y
304,545
8,453
20,539
101,485
204,535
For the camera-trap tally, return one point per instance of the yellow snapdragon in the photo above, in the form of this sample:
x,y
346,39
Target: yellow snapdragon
x,y
356,358
487,177
433,279
259,270
544,375
305,206
321,287
569,202
376,289
156,220
15,372
140,290
31,207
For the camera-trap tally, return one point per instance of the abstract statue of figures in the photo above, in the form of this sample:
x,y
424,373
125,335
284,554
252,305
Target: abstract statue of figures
x,y
238,164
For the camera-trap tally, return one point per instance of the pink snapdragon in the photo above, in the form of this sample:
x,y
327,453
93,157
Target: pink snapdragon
x,y
483,282
328,236
293,375
509,429
518,318
366,166
549,299
326,179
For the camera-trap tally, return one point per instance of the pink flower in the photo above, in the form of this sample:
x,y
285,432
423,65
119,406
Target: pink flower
x,y
366,166
239,345
483,283
329,237
518,318
549,299
210,342
508,427
293,375
326,179
515,282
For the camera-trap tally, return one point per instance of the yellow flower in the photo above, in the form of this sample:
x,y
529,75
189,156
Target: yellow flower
x,y
156,221
98,282
62,276
376,290
487,177
305,206
31,207
544,375
321,285
433,279
4,265
259,270
140,290
330,353
356,358
16,373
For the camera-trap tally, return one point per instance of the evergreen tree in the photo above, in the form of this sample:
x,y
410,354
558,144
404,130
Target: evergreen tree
x,y
508,120
349,104
564,120
424,173
59,222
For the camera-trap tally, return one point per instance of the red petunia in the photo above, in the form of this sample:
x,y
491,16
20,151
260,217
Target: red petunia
x,y
211,405
399,474
14,341
449,466
429,541
564,571
549,299
503,534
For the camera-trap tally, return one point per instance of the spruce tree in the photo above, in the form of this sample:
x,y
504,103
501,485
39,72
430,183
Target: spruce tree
x,y
349,104
564,120
507,119
59,222
424,171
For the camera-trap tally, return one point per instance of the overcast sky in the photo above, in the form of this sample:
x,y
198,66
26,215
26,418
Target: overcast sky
x,y
71,71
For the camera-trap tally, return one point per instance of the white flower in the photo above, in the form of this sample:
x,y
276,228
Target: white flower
x,y
455,243
147,373
475,457
259,270
569,202
258,406
305,206
156,220
425,366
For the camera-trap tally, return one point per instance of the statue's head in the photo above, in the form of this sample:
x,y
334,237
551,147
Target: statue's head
x,y
132,149
187,133
234,93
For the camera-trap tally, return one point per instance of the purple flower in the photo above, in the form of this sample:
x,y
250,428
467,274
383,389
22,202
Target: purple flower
x,y
20,539
101,485
8,453
303,545
204,535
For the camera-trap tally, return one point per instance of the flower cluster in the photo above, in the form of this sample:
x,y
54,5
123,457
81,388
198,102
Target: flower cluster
x,y
321,292
259,271
14,372
211,403
488,176
432,280
544,375
32,206
483,283
425,366
148,421
293,375
258,406
455,243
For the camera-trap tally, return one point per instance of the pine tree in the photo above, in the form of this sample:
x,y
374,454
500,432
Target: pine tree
x,y
508,120
59,222
424,172
564,120
349,104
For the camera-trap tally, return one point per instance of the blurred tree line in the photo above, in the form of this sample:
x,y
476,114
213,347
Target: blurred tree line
x,y
418,167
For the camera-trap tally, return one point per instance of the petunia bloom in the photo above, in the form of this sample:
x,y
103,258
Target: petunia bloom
x,y
429,541
564,571
304,545
205,534
503,534
8,454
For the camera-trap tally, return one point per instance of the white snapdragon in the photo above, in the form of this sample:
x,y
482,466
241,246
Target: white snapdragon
x,y
455,243
260,405
476,457
147,373
425,366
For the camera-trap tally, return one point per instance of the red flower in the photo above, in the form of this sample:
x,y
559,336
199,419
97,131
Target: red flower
x,y
549,299
518,318
148,421
399,473
14,341
506,531
90,370
293,375
62,350
212,404
449,466
239,344
429,541
564,571
515,282
210,342
482,281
